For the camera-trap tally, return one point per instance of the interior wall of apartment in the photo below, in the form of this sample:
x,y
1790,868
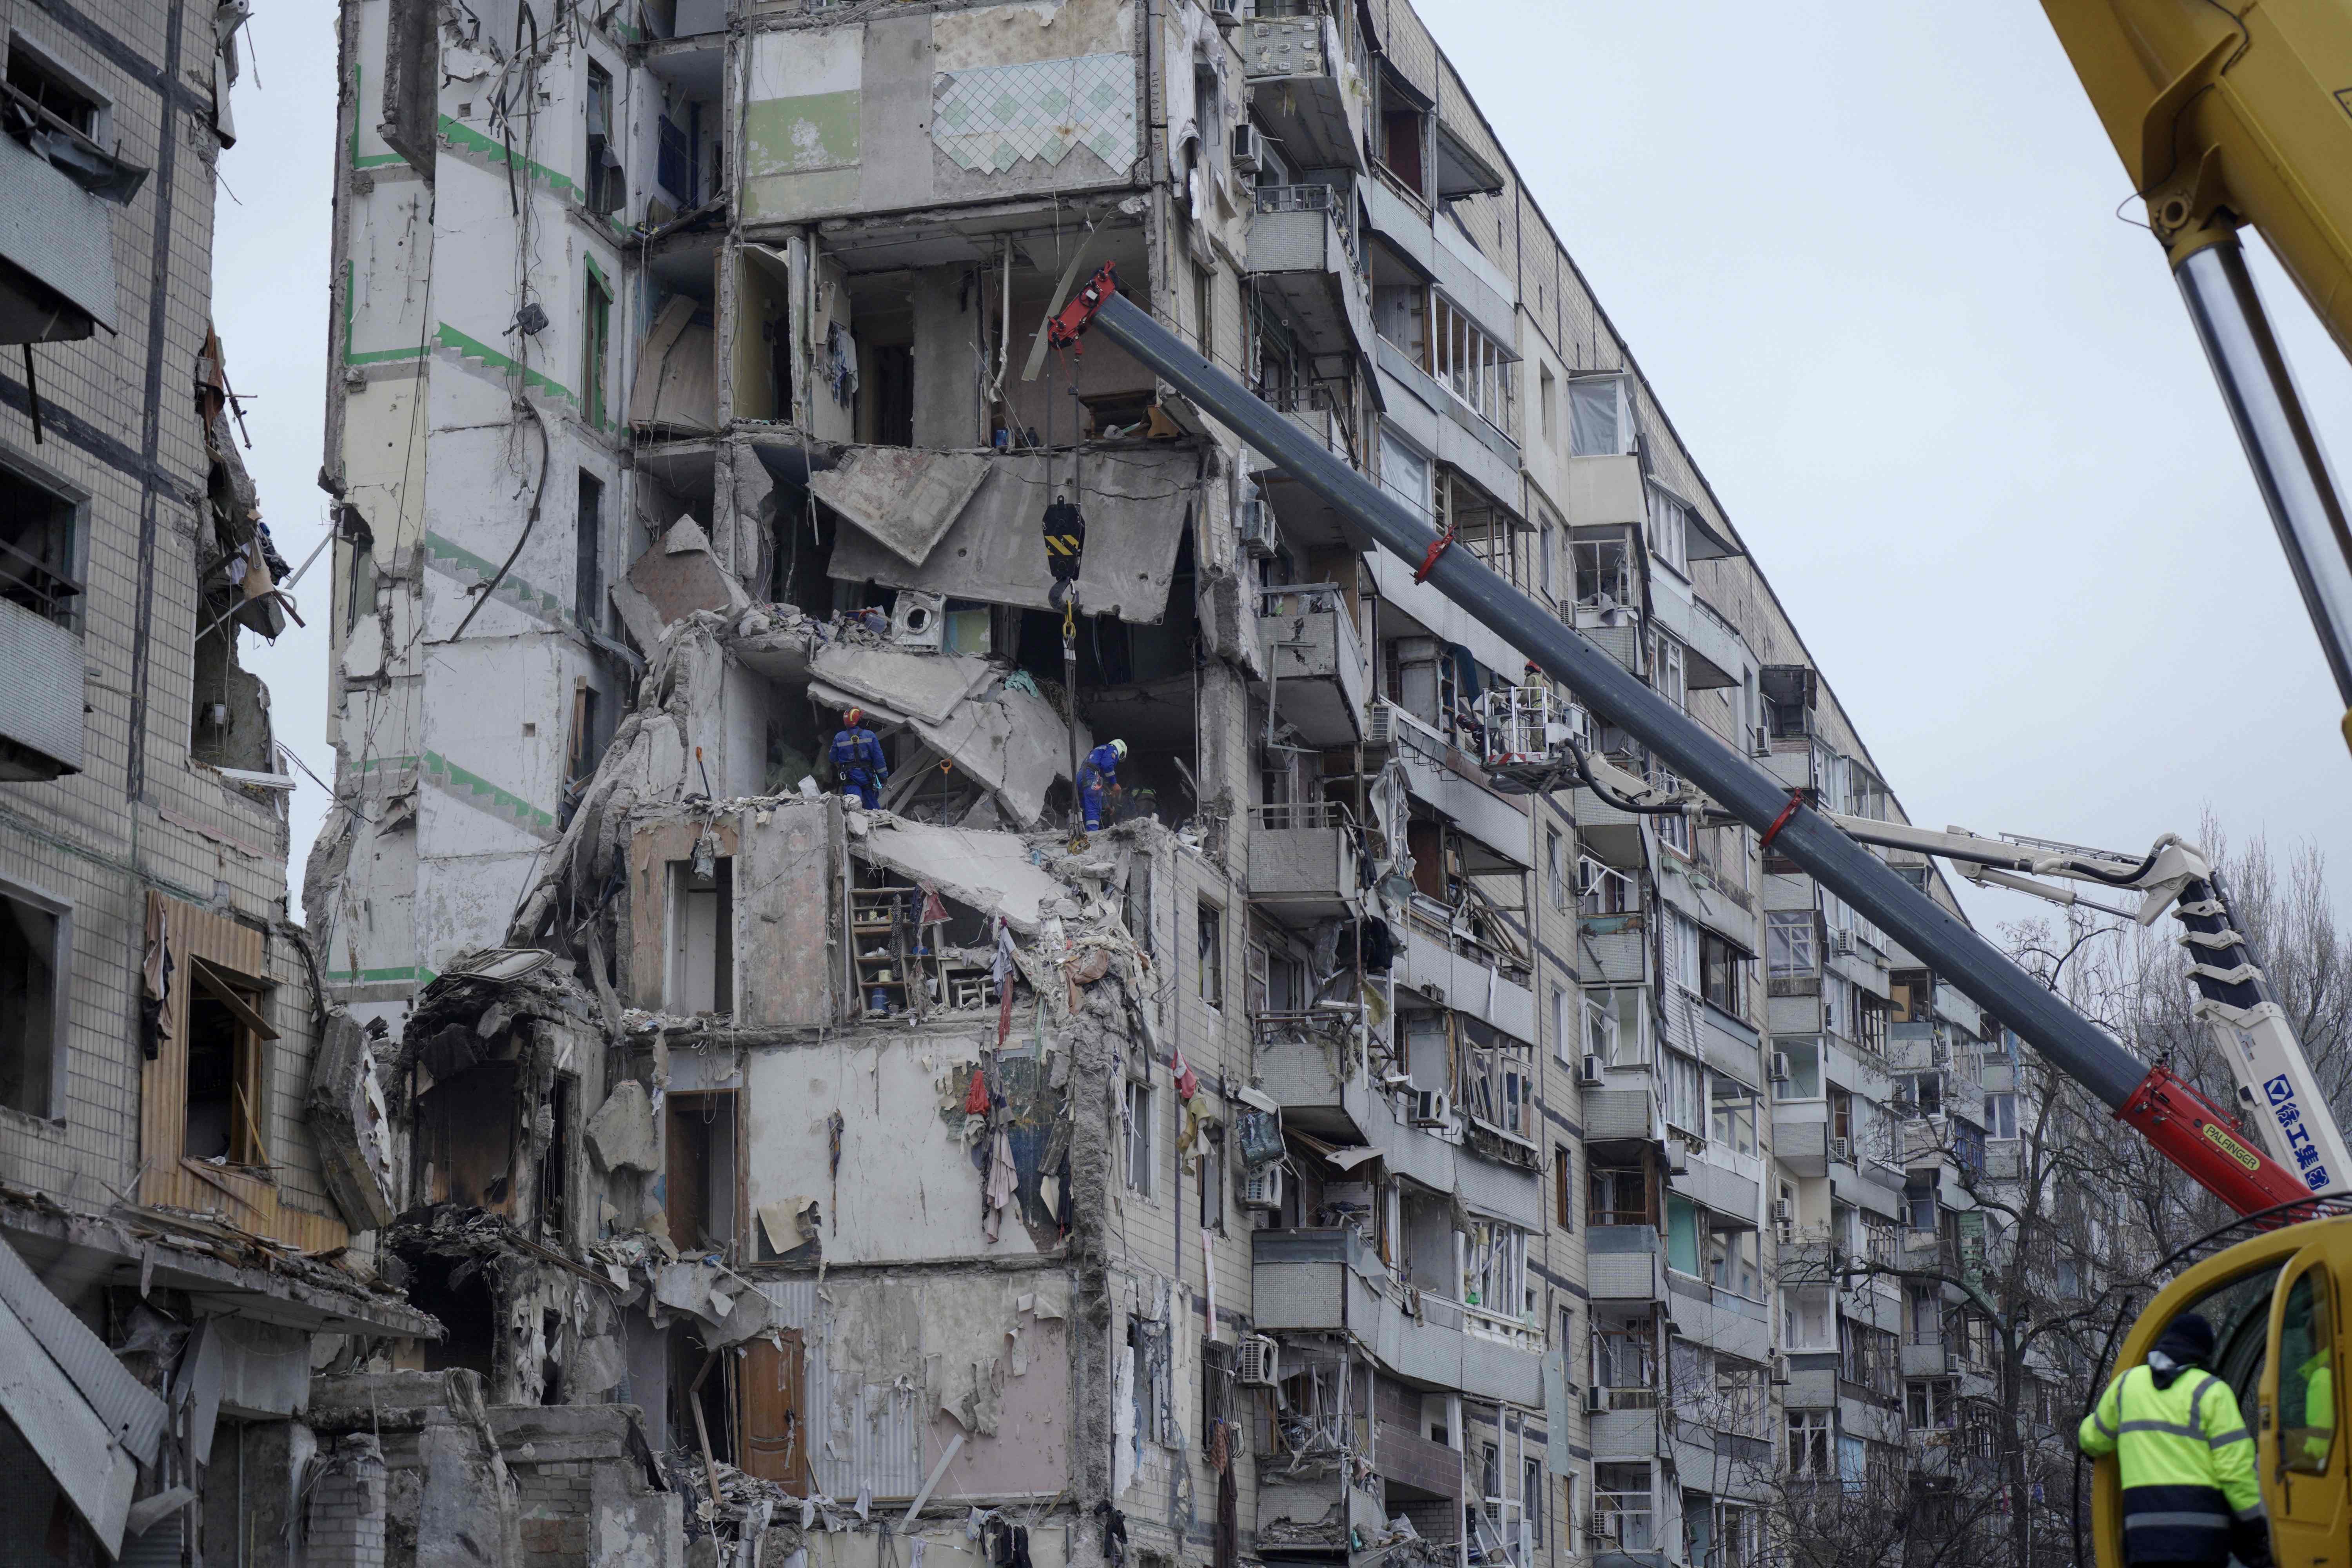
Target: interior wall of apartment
x,y
907,1183
903,111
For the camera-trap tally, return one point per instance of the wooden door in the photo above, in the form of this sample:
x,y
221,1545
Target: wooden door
x,y
773,1387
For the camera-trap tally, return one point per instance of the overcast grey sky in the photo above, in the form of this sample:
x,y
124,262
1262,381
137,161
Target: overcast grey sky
x,y
1869,259
1868,255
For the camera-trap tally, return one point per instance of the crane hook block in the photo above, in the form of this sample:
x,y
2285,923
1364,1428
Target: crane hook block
x,y
1065,545
1063,330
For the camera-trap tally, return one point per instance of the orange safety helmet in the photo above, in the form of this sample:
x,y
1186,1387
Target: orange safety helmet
x,y
853,718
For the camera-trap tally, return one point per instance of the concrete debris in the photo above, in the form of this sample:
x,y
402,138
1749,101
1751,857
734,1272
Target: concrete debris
x,y
667,584
1137,503
622,1133
996,873
905,498
345,1108
677,389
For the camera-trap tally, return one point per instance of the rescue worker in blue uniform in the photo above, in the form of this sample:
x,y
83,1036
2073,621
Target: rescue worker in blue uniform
x,y
2186,1459
858,764
1096,774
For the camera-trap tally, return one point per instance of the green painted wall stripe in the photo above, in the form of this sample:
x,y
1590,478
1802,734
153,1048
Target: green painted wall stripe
x,y
451,777
379,356
450,337
531,599
376,977
383,764
598,273
464,138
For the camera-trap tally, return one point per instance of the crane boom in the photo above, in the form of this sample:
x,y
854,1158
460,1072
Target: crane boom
x,y
2188,1128
2226,115
2233,995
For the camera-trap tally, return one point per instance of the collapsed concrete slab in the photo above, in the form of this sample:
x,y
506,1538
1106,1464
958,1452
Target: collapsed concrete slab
x,y
667,584
994,872
1137,502
905,498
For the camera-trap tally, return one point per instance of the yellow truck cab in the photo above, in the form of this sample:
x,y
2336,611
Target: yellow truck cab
x,y
2276,1304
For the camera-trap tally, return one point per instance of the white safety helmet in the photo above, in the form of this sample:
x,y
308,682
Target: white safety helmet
x,y
1120,748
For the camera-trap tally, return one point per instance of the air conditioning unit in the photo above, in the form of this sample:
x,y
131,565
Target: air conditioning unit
x,y
1596,1399
1601,1525
1779,1067
1379,726
1592,1073
1940,1053
1257,1361
1783,1212
1249,148
1255,525
1431,1108
1677,1156
1261,1188
1842,942
1759,741
1781,1370
1842,1150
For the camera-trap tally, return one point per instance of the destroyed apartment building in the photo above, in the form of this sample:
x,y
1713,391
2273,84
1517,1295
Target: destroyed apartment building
x,y
808,1139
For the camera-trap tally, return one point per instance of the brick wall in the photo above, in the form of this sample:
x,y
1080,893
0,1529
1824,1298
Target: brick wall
x,y
345,1522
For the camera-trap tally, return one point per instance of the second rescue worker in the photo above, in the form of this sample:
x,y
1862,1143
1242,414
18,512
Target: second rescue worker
x,y
1098,774
858,764
2186,1459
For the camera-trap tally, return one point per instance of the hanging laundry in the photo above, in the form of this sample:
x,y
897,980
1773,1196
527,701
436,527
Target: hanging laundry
x,y
841,362
975,1098
1002,1182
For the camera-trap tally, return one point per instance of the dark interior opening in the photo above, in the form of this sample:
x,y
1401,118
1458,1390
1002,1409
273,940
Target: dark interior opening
x,y
215,1039
715,1398
456,1290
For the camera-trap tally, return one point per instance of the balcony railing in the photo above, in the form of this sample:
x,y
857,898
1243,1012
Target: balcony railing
x,y
1496,1326
1305,598
25,580
1283,814
1337,201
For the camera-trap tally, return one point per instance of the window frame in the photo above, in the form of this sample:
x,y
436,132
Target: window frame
x,y
48,61
60,910
596,343
1209,954
1140,1106
1620,383
77,501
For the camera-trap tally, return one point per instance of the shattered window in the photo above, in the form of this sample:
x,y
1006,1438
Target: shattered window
x,y
1212,955
52,89
1137,1116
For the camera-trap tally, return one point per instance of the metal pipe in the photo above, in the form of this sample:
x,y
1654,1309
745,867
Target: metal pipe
x,y
1807,838
2290,469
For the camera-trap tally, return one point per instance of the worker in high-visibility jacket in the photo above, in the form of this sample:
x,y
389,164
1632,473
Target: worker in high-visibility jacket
x,y
2316,1433
2186,1459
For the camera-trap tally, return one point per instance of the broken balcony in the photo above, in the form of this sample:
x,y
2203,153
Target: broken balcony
x,y
1313,1063
1317,678
1305,251
1302,91
1331,1280
1303,862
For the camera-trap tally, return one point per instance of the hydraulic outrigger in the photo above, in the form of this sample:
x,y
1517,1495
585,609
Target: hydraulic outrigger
x,y
2190,1130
